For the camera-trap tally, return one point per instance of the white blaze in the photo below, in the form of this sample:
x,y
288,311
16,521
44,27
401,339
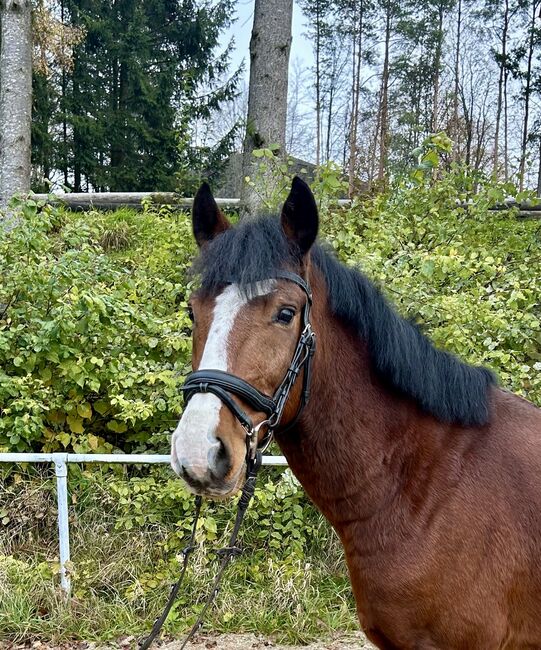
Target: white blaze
x,y
194,443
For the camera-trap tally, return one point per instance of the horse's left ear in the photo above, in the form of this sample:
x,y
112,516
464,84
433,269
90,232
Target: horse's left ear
x,y
300,220
207,218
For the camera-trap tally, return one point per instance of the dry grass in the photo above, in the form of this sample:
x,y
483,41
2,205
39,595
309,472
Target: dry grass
x,y
121,578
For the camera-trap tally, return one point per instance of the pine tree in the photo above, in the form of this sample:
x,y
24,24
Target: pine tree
x,y
143,74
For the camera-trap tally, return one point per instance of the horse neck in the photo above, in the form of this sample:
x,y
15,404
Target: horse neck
x,y
355,438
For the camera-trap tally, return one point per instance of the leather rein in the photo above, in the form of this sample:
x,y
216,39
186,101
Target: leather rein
x,y
226,385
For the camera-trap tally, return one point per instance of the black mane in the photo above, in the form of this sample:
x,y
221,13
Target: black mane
x,y
403,357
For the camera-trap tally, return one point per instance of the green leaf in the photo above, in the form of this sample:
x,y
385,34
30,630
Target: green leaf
x,y
64,438
75,424
84,410
116,426
93,442
46,374
101,406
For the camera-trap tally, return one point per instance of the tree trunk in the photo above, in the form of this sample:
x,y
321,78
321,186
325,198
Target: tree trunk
x,y
539,171
318,83
437,64
356,92
329,122
267,98
503,64
527,91
15,98
76,110
456,124
505,126
468,125
384,110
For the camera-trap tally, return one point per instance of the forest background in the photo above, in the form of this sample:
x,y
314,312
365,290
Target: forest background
x,y
152,96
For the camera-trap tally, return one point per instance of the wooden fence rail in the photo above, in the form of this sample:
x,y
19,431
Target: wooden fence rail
x,y
113,200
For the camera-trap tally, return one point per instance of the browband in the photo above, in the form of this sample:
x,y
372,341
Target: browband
x,y
293,277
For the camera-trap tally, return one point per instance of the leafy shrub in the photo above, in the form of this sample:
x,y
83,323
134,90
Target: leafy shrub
x,y
93,344
469,277
94,340
126,536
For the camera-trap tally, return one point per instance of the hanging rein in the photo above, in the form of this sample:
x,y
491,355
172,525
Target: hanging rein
x,y
224,385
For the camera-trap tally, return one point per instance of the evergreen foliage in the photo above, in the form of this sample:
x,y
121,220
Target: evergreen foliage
x,y
142,75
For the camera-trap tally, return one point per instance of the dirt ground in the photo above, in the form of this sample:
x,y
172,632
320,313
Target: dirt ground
x,y
251,642
211,642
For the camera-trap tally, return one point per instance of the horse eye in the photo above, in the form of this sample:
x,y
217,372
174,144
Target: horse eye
x,y
285,315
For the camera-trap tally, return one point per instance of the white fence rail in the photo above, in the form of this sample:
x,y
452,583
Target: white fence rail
x,y
61,462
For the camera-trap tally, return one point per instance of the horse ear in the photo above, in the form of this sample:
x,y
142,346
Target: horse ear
x,y
300,220
207,218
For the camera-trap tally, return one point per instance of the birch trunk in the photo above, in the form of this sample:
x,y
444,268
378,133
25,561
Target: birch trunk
x,y
267,98
15,98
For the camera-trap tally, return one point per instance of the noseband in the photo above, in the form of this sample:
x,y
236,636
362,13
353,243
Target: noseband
x,y
224,384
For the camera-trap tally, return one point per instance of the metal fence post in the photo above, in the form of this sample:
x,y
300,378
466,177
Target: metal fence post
x,y
61,472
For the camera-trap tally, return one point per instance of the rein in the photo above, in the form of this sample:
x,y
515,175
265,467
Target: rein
x,y
224,385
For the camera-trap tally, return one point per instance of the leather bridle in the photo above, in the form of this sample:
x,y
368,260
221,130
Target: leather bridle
x,y
224,385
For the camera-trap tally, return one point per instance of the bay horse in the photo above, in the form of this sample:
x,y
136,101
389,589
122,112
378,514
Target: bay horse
x,y
427,470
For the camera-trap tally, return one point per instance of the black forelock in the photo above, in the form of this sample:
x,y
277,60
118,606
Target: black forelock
x,y
403,357
252,251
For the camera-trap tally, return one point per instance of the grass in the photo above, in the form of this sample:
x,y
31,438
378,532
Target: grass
x,y
121,577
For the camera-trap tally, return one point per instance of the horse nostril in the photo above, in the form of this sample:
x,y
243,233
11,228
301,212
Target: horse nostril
x,y
194,482
222,462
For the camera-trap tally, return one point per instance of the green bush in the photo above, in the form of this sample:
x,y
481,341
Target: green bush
x,y
94,339
127,533
470,277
